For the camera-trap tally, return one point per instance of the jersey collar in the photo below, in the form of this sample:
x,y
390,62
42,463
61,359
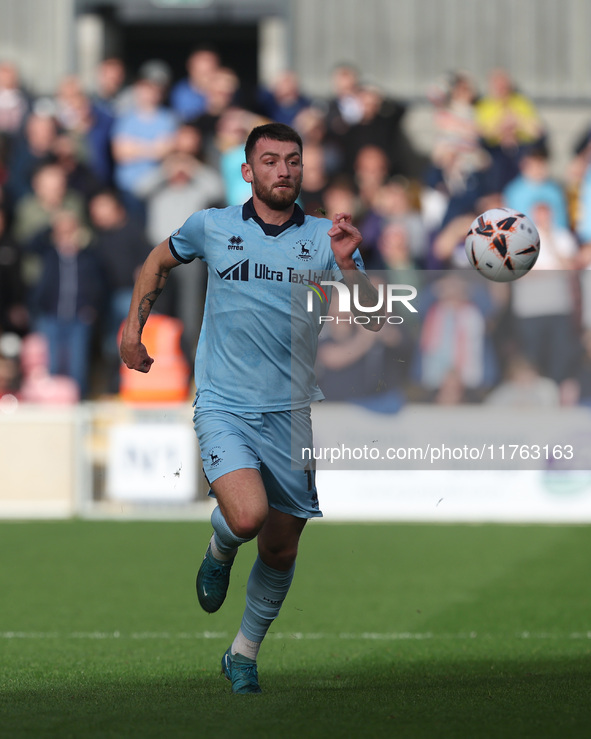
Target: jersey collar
x,y
270,229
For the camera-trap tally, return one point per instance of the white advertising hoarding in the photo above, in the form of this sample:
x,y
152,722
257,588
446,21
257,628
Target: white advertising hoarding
x,y
151,462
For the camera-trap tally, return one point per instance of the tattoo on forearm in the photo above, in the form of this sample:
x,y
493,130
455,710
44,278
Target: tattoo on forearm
x,y
147,302
145,306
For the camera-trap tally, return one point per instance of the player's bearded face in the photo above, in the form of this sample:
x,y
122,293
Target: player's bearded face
x,y
276,172
279,195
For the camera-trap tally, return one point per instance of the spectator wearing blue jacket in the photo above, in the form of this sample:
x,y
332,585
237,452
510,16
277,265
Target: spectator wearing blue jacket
x,y
141,139
534,185
188,98
284,99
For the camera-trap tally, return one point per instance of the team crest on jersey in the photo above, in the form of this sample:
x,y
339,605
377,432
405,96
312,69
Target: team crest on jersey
x,y
305,249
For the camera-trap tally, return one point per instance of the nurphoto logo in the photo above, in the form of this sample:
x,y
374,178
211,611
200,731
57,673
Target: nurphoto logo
x,y
389,296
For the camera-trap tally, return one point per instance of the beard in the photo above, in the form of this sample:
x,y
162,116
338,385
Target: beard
x,y
278,198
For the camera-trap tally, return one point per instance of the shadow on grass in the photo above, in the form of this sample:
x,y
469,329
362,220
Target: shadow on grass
x,y
471,698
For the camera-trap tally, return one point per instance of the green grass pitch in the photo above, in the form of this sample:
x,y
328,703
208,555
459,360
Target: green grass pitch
x,y
389,631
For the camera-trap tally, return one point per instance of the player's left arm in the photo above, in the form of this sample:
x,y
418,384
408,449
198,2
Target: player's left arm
x,y
345,239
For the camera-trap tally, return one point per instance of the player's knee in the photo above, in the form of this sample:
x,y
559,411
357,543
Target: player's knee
x,y
247,524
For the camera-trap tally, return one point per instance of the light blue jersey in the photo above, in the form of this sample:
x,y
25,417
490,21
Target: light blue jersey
x,y
258,341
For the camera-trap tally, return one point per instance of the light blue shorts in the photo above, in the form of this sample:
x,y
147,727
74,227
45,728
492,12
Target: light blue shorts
x,y
269,442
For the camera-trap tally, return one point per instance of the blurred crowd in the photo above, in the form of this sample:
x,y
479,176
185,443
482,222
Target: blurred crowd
x,y
90,181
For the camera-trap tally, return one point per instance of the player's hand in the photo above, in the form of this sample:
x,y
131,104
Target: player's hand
x,y
136,357
344,240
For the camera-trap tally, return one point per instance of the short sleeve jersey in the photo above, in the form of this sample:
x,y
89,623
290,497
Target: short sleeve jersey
x,y
260,328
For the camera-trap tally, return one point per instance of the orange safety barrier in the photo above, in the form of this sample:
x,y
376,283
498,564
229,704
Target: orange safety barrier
x,y
169,376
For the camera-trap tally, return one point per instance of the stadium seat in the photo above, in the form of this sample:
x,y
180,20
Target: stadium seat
x,y
169,376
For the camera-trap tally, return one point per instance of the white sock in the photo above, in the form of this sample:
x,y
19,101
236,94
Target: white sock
x,y
221,556
245,647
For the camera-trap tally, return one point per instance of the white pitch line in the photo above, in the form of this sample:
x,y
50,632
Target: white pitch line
x,y
363,636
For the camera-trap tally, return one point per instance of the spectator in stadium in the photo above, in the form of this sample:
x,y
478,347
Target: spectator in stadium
x,y
188,97
558,243
14,315
454,122
31,149
120,246
459,165
380,126
350,362
80,177
141,139
452,338
447,248
158,72
534,185
583,375
35,212
10,379
524,387
15,105
183,184
65,102
311,124
340,193
222,93
284,100
368,370
582,208
37,385
315,180
461,196
110,81
583,232
68,296
394,253
232,129
508,122
345,108
544,305
451,391
180,185
91,129
394,202
371,170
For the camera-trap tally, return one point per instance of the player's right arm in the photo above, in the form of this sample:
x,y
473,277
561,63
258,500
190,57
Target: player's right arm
x,y
149,284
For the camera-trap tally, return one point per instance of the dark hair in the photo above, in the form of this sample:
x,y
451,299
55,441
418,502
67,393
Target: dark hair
x,y
210,48
274,132
538,150
111,193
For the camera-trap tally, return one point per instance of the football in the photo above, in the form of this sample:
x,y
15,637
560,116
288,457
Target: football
x,y
502,244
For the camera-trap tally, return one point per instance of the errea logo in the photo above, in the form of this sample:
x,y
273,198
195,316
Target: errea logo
x,y
235,243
